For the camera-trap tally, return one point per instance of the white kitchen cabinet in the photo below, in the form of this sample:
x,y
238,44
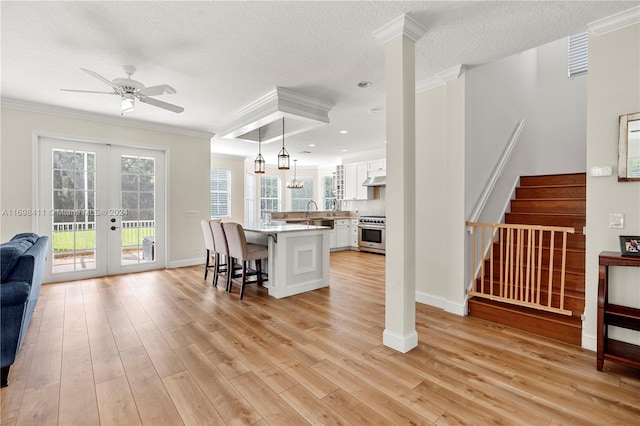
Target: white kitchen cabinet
x,y
333,243
353,227
343,233
354,175
377,167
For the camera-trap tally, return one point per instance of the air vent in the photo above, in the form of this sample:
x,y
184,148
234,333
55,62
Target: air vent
x,y
578,54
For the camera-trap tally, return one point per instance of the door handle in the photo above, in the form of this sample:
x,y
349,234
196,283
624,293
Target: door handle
x,y
113,228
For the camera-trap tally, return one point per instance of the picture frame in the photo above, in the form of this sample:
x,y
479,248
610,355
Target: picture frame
x,y
630,245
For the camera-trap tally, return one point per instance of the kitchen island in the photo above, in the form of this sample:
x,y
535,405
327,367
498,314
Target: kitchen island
x,y
298,256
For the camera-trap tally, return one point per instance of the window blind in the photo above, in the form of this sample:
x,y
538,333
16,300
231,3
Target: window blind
x,y
220,193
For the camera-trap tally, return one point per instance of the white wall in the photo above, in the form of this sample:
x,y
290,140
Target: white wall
x,y
188,184
498,96
440,170
561,127
236,165
614,90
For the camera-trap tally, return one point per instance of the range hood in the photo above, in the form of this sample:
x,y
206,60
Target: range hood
x,y
375,181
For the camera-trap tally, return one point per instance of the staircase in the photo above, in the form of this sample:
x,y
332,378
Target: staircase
x,y
553,200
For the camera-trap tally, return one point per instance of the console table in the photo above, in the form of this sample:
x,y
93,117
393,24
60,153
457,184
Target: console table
x,y
616,315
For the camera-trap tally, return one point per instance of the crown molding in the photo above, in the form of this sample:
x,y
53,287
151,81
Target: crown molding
x,y
403,25
615,22
302,112
441,78
101,118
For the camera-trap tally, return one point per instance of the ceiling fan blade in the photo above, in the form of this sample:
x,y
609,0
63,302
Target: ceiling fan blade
x,y
87,91
162,89
161,104
101,78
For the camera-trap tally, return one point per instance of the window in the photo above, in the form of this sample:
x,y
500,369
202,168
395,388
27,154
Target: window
x,y
578,54
269,196
300,197
220,193
328,196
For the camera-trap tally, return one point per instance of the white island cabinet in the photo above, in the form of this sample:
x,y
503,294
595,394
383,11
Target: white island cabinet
x,y
298,256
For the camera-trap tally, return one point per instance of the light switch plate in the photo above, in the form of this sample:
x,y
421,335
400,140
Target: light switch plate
x,y
599,171
616,220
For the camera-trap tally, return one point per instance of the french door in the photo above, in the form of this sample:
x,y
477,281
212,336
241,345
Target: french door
x,y
103,207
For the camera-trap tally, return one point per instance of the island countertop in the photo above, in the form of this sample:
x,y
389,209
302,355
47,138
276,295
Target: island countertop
x,y
276,228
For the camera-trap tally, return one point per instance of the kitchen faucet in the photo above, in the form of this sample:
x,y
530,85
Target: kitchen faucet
x,y
309,204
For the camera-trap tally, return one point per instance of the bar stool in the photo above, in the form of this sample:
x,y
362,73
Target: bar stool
x,y
207,232
222,249
243,253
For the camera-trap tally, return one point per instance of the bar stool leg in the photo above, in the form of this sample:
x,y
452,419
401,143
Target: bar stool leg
x,y
230,267
216,269
207,266
244,277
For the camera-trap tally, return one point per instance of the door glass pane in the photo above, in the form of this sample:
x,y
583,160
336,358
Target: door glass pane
x,y
73,220
138,209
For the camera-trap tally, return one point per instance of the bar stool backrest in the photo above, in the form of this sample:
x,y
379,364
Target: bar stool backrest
x,y
207,232
236,240
219,238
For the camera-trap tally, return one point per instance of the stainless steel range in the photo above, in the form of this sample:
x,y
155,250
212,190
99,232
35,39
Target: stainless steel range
x,y
371,234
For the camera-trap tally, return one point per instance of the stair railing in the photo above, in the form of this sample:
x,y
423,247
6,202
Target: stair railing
x,y
517,276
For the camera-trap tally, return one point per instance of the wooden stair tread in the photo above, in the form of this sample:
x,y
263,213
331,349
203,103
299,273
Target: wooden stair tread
x,y
571,293
551,199
550,214
576,178
550,316
563,328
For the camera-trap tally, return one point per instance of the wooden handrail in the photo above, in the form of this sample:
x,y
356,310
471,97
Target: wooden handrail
x,y
519,269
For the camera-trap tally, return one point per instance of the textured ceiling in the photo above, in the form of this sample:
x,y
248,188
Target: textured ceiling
x,y
221,56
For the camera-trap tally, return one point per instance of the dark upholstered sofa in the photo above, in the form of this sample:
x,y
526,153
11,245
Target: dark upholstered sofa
x,y
22,265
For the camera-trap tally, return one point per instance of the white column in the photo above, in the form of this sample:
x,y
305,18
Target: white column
x,y
399,37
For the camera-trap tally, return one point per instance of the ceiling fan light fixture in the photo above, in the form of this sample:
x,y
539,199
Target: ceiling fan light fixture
x,y
127,103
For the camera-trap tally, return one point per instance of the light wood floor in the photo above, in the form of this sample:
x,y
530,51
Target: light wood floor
x,y
165,347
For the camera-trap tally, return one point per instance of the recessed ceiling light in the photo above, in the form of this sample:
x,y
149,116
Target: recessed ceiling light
x,y
344,131
312,144
344,150
364,84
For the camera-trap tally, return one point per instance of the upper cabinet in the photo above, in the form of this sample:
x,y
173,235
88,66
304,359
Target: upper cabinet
x,y
377,167
354,175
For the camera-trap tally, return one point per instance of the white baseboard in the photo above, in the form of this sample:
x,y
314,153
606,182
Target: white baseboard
x,y
186,262
589,342
442,303
399,342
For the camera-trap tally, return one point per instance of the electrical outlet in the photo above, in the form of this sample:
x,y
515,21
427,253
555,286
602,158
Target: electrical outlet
x,y
197,251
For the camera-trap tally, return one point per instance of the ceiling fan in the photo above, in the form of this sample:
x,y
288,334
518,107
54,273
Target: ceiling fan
x,y
130,90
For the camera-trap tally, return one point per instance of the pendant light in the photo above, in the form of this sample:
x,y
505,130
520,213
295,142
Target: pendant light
x,y
283,157
259,163
295,183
